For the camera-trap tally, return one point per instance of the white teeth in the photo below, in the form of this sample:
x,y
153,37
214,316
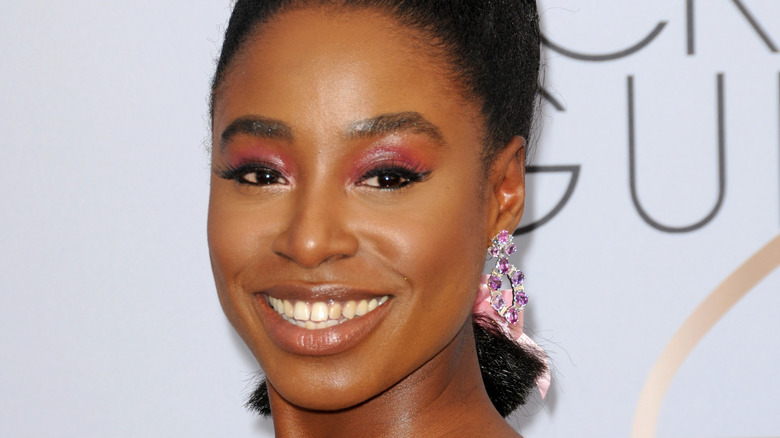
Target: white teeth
x,y
302,311
320,315
348,309
362,308
319,312
289,311
335,311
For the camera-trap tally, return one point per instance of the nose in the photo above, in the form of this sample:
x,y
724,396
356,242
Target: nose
x,y
317,231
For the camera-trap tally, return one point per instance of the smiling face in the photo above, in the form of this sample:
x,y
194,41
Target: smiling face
x,y
349,211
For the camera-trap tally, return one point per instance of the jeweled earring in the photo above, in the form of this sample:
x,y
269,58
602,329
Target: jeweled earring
x,y
501,248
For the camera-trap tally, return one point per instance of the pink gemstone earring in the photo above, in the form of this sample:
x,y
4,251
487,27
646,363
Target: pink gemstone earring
x,y
501,248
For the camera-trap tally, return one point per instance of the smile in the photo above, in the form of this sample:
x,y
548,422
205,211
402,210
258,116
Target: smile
x,y
319,314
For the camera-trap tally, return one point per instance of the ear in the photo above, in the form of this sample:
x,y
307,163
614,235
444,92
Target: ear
x,y
507,188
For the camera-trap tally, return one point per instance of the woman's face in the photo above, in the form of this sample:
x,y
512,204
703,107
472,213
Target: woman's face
x,y
347,219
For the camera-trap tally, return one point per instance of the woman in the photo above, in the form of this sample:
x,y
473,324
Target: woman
x,y
365,155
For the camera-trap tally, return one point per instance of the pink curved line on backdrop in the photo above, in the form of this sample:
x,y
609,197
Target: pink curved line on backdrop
x,y
698,324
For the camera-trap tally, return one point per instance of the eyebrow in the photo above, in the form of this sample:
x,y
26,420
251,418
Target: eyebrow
x,y
271,129
409,121
255,126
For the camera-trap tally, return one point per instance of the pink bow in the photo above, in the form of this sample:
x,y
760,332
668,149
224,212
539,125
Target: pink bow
x,y
483,307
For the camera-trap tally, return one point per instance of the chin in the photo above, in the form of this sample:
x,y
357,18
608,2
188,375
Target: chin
x,y
326,397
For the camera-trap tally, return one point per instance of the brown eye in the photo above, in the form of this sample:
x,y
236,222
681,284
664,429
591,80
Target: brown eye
x,y
254,174
387,180
392,178
261,177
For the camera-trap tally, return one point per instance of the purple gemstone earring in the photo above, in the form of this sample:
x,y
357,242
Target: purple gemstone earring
x,y
501,248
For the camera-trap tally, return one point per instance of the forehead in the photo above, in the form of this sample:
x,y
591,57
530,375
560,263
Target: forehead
x,y
323,68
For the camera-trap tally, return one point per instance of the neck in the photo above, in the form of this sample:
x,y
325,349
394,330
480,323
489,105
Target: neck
x,y
444,397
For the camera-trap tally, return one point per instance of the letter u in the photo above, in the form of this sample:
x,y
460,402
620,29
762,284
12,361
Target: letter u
x,y
721,165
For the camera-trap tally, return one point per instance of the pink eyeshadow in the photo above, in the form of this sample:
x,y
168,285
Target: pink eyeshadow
x,y
238,155
397,154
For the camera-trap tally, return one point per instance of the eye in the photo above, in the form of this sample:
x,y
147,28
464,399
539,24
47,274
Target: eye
x,y
387,180
392,178
253,174
261,177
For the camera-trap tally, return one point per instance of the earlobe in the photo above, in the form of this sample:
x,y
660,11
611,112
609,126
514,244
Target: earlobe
x,y
507,179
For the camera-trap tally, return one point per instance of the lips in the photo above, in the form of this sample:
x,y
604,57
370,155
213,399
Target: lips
x,y
319,320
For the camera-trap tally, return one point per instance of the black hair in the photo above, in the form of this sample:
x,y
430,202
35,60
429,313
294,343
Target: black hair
x,y
492,47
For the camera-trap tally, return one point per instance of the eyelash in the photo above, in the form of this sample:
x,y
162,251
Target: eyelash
x,y
409,175
238,173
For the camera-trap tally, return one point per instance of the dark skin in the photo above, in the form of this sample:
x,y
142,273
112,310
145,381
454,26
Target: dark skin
x,y
364,180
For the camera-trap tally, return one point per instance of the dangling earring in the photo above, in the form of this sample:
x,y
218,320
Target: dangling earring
x,y
501,248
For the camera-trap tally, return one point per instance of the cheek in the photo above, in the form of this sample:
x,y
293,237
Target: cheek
x,y
239,228
236,238
229,245
234,242
443,265
440,249
450,265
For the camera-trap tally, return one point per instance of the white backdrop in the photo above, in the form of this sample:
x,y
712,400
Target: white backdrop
x,y
109,321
